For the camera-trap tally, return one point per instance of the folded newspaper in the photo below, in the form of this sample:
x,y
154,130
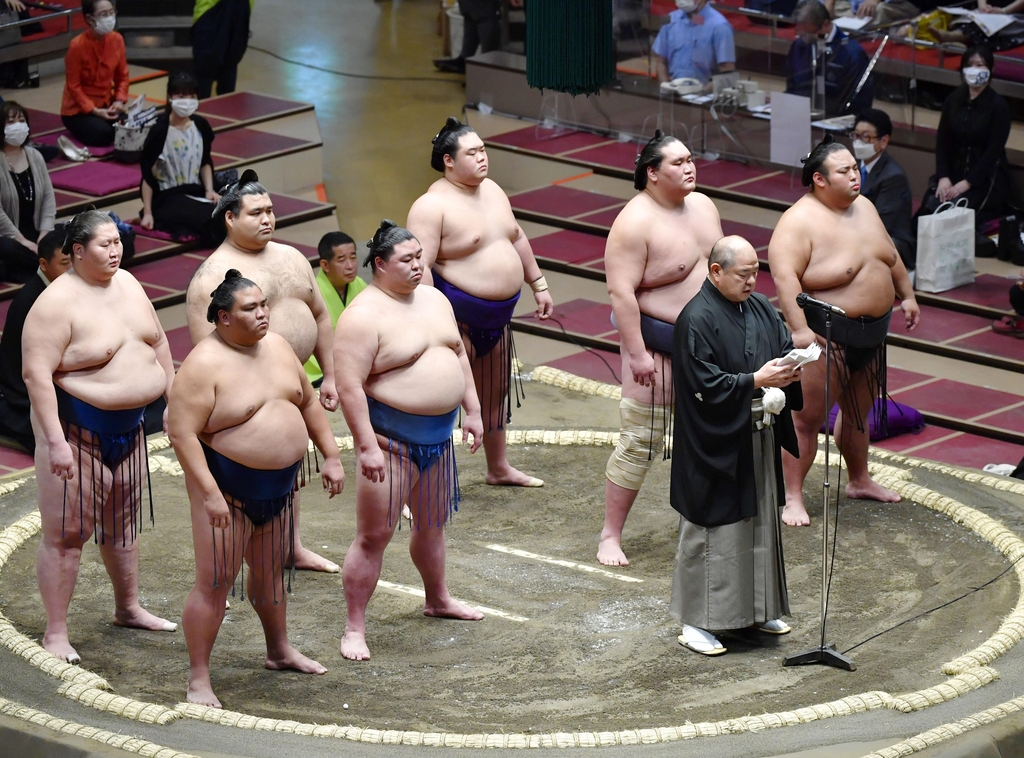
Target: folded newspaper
x,y
800,356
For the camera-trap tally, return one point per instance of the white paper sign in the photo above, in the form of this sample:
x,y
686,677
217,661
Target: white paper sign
x,y
791,128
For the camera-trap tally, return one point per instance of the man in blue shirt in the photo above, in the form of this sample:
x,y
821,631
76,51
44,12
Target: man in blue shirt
x,y
844,61
696,43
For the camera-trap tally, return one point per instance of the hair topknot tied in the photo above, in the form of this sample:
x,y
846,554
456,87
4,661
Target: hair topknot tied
x,y
223,298
446,142
650,157
388,235
815,160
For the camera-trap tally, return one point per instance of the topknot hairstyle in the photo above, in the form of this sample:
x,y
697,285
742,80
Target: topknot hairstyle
x,y
223,298
231,197
81,229
650,157
384,240
817,157
446,142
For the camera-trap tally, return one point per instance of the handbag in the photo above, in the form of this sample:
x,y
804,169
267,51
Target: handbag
x,y
1011,243
10,36
945,248
128,142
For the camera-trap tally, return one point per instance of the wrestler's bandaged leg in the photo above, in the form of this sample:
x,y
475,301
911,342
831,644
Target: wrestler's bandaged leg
x,y
640,442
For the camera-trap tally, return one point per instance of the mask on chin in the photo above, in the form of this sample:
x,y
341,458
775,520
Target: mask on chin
x,y
863,151
976,76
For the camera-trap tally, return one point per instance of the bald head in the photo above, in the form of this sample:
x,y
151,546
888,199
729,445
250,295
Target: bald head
x,y
728,250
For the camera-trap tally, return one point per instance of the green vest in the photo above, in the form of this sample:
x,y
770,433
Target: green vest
x,y
334,306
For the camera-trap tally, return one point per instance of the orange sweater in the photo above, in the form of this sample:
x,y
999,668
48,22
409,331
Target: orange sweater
x,y
96,73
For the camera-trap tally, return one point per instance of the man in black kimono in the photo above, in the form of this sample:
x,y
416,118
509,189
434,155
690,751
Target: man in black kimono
x,y
733,420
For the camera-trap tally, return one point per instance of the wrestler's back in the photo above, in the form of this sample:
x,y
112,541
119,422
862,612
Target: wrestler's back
x,y
284,276
110,361
851,257
257,399
416,368
476,252
678,242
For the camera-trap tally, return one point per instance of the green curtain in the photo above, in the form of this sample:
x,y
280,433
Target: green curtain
x,y
569,46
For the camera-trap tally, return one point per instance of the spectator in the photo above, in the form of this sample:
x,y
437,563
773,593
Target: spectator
x,y
1010,325
481,27
27,204
885,183
96,85
970,147
15,428
338,282
881,12
844,61
696,43
220,36
177,171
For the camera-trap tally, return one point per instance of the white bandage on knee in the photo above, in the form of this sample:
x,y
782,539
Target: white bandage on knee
x,y
640,442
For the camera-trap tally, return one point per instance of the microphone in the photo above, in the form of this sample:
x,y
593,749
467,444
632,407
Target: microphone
x,y
805,301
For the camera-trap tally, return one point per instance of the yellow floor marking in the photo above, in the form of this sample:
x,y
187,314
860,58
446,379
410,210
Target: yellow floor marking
x,y
560,562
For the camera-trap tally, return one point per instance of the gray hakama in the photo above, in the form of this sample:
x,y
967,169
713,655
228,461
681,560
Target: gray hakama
x,y
732,576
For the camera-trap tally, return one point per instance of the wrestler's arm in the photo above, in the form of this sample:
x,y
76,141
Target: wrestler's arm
x,y
45,337
625,258
532,274
332,473
788,255
324,348
197,300
425,221
164,358
472,424
355,347
905,291
192,400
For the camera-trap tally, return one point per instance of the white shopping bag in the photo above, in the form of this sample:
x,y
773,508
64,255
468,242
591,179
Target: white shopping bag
x,y
945,248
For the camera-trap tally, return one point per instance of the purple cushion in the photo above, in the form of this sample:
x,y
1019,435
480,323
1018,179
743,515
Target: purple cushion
x,y
902,420
159,235
97,178
95,152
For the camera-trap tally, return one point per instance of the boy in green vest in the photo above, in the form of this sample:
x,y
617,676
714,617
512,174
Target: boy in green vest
x,y
338,284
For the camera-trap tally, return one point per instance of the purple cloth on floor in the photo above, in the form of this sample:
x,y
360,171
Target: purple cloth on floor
x,y
902,420
95,152
97,178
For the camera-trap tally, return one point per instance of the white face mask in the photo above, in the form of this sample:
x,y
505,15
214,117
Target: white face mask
x,y
976,76
104,25
686,6
863,151
16,133
184,106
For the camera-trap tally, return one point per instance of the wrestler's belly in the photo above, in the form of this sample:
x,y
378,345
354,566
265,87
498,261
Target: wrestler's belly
x,y
272,438
132,378
494,272
292,319
666,302
870,293
432,385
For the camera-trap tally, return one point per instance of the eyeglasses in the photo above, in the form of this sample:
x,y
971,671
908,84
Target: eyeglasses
x,y
869,138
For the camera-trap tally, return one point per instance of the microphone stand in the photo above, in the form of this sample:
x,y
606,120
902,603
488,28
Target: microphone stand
x,y
824,654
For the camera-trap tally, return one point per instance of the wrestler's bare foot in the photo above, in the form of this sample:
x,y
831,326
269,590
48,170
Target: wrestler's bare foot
x,y
307,560
353,646
139,618
794,514
291,659
870,490
201,693
609,552
452,609
58,645
511,477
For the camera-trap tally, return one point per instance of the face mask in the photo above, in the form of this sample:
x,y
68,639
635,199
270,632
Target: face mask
x,y
686,6
104,25
15,134
184,106
863,151
976,76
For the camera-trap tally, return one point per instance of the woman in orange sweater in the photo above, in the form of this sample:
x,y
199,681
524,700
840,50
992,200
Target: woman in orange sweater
x,y
96,83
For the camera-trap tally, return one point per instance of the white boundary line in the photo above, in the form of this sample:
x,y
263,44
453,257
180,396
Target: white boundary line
x,y
561,562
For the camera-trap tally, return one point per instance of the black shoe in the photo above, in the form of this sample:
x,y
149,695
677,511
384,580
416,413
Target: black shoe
x,y
450,65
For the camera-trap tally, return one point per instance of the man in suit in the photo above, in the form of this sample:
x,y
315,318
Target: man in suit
x,y
885,183
15,428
